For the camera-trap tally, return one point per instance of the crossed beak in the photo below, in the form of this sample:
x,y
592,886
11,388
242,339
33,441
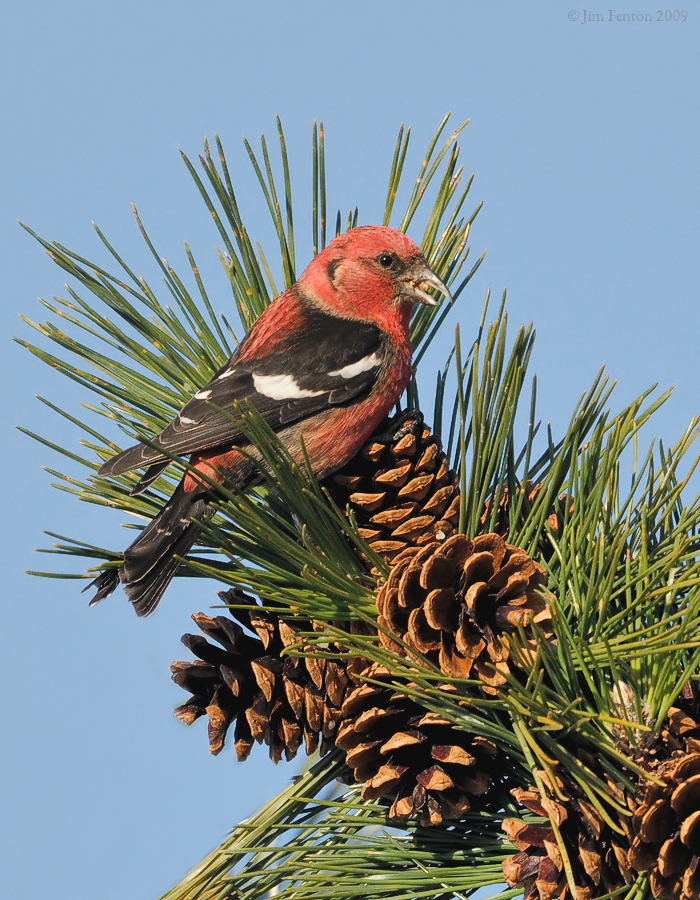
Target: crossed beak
x,y
418,279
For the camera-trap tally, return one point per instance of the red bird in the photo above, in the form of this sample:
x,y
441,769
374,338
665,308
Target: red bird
x,y
328,359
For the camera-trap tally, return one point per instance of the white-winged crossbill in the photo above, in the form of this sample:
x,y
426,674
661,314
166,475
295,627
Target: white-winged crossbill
x,y
327,360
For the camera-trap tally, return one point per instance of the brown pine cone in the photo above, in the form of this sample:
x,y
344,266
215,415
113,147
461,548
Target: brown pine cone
x,y
399,750
666,821
596,855
400,488
395,747
661,836
403,492
278,700
460,603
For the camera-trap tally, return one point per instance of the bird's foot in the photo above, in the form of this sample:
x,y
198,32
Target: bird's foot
x,y
410,421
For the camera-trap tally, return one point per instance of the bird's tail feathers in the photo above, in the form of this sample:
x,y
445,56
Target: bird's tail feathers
x,y
152,560
105,583
145,592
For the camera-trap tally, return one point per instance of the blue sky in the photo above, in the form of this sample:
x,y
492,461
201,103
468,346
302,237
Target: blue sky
x,y
584,144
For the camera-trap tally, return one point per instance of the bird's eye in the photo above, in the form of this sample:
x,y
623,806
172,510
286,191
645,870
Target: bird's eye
x,y
385,260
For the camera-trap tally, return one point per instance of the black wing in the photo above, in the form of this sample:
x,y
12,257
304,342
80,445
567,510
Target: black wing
x,y
330,362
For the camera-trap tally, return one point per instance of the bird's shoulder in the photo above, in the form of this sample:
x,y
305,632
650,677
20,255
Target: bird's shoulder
x,y
311,334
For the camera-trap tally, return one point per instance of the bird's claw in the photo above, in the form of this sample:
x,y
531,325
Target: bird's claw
x,y
407,422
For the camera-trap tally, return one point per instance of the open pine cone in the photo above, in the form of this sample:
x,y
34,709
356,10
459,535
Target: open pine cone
x,y
400,488
661,837
277,700
399,750
460,603
597,856
666,821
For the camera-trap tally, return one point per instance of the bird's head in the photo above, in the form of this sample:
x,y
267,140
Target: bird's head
x,y
372,273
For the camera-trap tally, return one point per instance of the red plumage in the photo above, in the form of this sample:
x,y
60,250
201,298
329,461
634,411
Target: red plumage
x,y
328,360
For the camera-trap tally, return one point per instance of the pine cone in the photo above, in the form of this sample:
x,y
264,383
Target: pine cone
x,y
400,488
460,602
399,750
661,837
280,701
597,856
666,821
